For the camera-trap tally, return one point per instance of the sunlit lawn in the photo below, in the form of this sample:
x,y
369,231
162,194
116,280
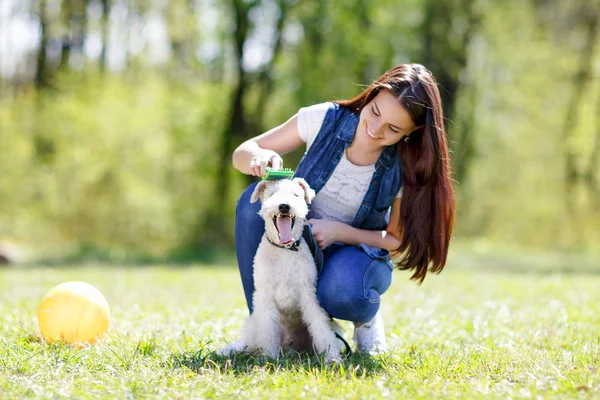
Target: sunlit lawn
x,y
474,331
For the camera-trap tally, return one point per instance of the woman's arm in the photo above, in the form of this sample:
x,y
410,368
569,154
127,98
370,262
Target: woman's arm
x,y
254,155
382,239
327,232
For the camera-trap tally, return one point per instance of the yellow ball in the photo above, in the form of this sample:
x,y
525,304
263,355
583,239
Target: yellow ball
x,y
74,312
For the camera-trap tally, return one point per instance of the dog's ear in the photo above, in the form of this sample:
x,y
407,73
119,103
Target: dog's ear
x,y
309,194
259,190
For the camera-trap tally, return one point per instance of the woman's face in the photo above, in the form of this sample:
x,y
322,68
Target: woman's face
x,y
383,121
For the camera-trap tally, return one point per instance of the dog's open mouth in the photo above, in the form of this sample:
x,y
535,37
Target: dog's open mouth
x,y
284,224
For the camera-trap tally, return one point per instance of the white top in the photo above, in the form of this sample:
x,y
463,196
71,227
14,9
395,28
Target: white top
x,y
340,198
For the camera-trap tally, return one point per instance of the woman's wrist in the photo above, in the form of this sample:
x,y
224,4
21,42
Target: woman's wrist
x,y
354,236
251,159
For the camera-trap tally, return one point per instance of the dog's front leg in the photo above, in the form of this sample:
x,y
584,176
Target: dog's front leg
x,y
266,323
319,327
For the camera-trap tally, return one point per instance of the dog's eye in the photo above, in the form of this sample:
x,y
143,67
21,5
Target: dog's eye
x,y
296,194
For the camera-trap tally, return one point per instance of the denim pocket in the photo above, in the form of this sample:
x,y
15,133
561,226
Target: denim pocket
x,y
376,280
376,253
376,219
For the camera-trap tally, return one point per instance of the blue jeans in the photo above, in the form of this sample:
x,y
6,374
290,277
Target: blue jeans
x,y
350,283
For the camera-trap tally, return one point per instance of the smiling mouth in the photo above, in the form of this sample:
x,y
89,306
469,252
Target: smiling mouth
x,y
369,134
284,223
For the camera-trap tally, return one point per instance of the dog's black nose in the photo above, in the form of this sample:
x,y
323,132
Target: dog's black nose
x,y
284,208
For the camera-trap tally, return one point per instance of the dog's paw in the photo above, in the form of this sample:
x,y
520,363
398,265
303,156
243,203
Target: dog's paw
x,y
239,346
333,360
273,354
333,354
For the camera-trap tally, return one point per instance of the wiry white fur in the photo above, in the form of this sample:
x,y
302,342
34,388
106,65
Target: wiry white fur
x,y
285,299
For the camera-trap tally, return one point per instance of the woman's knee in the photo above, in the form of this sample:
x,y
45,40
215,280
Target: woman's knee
x,y
351,284
347,302
349,306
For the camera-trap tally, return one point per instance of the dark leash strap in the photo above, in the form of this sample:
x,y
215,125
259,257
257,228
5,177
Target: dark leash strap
x,y
348,348
316,252
292,247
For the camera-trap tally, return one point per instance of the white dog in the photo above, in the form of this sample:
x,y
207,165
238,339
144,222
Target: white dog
x,y
285,277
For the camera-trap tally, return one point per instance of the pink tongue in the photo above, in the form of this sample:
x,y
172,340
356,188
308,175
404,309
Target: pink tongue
x,y
284,224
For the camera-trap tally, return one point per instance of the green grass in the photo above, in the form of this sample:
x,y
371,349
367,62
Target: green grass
x,y
472,332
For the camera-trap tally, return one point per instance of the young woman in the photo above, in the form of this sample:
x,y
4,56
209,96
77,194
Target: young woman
x,y
380,167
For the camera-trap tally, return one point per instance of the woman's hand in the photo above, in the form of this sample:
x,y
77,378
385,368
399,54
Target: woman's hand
x,y
260,162
324,231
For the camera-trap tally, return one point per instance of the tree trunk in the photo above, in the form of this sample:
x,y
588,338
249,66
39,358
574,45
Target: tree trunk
x,y
243,125
181,28
592,178
446,56
580,79
41,69
66,11
106,6
314,42
362,63
78,31
265,78
235,130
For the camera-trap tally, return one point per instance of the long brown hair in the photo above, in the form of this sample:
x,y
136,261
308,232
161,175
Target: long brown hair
x,y
428,205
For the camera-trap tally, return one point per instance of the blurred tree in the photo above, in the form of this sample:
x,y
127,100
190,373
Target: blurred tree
x,y
183,37
242,124
74,31
78,31
42,78
143,154
447,29
264,77
589,18
362,64
314,21
43,143
105,29
235,130
576,25
593,172
66,10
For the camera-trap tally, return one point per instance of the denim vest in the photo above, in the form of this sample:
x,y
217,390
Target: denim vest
x,y
318,163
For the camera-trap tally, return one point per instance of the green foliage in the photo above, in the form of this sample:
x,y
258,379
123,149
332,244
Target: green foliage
x,y
130,165
520,86
126,162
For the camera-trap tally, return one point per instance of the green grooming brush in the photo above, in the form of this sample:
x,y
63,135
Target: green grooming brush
x,y
276,174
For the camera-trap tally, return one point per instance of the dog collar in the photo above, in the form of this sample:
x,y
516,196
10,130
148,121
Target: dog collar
x,y
293,247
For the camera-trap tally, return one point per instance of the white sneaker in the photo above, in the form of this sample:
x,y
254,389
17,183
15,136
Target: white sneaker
x,y
370,337
232,348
